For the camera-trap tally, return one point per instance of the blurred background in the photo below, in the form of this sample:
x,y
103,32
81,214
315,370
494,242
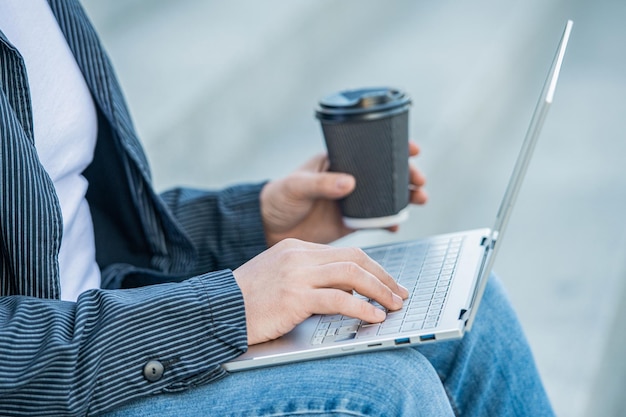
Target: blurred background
x,y
223,92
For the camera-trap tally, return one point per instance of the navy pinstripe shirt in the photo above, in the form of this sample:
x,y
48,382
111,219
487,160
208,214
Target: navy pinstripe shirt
x,y
60,358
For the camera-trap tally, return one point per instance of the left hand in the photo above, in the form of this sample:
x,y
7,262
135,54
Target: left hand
x,y
303,205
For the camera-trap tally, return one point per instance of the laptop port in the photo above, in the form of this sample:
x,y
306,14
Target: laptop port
x,y
403,341
427,337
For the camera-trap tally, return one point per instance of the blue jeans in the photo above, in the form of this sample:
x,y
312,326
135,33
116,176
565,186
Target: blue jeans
x,y
490,372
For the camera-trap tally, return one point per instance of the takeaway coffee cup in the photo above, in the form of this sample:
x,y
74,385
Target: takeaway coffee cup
x,y
366,134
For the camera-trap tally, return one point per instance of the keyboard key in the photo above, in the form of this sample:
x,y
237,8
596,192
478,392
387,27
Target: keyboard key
x,y
368,331
350,322
417,310
424,278
415,317
344,337
389,330
432,270
427,284
331,318
395,321
435,308
447,270
317,340
320,333
438,301
426,291
347,329
420,304
414,325
432,317
395,315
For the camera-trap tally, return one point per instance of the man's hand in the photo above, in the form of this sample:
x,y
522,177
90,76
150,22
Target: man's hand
x,y
303,205
292,280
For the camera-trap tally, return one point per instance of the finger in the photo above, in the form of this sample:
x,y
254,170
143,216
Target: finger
x,y
318,163
329,254
348,276
346,268
419,196
414,149
332,301
330,185
417,193
298,247
416,177
351,268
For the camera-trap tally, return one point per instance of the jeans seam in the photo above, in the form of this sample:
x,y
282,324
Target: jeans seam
x,y
453,405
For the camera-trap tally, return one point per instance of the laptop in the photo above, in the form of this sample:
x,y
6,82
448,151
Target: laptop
x,y
446,276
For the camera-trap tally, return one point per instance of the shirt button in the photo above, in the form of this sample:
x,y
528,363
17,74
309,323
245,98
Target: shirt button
x,y
153,371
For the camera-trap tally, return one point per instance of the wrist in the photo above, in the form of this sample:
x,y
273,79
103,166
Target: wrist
x,y
269,216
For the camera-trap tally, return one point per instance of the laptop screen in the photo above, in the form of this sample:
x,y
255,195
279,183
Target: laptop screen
x,y
521,166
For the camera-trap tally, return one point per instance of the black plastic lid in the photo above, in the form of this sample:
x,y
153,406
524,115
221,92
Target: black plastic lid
x,y
362,104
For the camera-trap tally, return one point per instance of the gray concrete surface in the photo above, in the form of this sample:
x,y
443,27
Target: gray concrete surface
x,y
224,92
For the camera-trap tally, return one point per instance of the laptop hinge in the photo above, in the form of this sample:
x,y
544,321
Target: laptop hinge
x,y
490,241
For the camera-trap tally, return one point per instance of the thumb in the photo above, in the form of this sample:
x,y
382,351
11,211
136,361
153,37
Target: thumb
x,y
330,185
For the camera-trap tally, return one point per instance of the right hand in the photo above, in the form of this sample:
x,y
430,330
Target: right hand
x,y
294,279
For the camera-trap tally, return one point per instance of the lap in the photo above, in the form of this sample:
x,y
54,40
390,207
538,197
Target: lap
x,y
489,372
373,384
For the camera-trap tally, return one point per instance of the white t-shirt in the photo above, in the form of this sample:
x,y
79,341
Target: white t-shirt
x,y
65,130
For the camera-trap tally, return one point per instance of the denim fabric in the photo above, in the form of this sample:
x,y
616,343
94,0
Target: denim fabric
x,y
490,372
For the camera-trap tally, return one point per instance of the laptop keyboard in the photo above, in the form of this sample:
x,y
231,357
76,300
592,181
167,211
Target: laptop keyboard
x,y
425,269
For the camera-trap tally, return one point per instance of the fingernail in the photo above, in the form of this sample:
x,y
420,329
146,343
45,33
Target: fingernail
x,y
403,289
397,300
380,315
343,182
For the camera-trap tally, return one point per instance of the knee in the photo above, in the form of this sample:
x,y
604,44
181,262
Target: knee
x,y
496,318
393,383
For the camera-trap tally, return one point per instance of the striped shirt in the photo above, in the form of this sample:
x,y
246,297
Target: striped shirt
x,y
63,358
65,131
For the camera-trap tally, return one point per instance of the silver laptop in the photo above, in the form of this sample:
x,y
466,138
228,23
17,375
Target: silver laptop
x,y
446,276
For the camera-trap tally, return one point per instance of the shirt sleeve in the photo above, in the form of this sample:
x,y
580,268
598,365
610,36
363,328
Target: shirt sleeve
x,y
101,348
225,227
